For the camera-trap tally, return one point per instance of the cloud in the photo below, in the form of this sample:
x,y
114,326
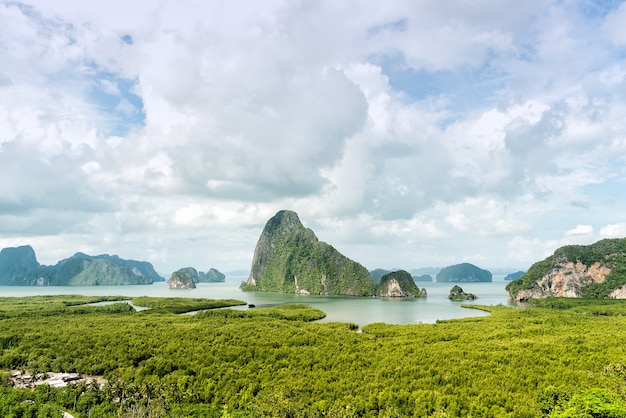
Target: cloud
x,y
613,231
407,134
580,230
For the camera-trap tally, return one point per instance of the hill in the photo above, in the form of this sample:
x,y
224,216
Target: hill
x,y
591,271
289,258
19,267
464,272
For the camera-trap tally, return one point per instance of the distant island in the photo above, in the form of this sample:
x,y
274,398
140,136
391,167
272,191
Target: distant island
x,y
212,276
19,267
378,274
464,273
589,271
513,276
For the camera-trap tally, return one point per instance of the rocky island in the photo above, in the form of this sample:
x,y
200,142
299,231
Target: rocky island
x,y
289,258
399,284
457,294
182,279
591,271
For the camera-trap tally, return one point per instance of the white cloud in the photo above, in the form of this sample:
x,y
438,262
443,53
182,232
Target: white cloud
x,y
613,231
411,133
580,230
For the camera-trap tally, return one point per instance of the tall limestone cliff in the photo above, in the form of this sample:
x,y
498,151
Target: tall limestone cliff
x,y
596,270
289,258
399,284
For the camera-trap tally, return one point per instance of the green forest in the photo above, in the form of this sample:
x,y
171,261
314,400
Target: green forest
x,y
556,358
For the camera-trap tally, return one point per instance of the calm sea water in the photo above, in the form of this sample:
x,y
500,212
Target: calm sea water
x,y
361,311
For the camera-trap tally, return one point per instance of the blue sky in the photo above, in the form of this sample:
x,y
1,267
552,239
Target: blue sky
x,y
405,134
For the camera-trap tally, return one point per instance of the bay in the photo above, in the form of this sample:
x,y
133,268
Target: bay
x,y
360,311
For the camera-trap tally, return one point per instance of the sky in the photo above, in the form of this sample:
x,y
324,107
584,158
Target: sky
x,y
406,134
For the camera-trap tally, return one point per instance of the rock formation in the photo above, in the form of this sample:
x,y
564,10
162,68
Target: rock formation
x,y
19,267
423,278
464,273
289,258
182,279
399,284
212,276
457,294
596,270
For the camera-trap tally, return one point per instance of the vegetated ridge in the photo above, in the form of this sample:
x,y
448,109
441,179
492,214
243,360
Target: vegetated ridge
x,y
289,258
464,272
590,271
19,267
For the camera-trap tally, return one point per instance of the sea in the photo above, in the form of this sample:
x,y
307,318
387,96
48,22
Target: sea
x,y
357,310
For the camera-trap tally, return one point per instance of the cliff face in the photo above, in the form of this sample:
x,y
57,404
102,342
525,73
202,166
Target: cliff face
x,y
596,270
289,258
399,284
567,281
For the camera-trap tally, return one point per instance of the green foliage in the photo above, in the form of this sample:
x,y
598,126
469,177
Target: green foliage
x,y
59,304
611,252
593,403
290,312
182,305
274,362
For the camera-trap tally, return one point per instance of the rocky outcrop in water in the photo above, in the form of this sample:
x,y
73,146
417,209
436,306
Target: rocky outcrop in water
x,y
289,258
399,284
182,279
457,294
